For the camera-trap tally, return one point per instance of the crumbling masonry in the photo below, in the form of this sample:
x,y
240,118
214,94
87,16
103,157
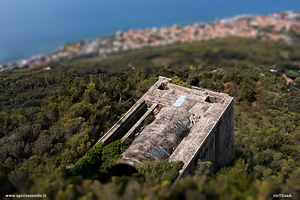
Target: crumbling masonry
x,y
208,115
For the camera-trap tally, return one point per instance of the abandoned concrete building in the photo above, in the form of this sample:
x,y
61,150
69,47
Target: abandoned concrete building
x,y
207,115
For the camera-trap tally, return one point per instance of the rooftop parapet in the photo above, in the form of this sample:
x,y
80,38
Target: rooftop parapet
x,y
207,114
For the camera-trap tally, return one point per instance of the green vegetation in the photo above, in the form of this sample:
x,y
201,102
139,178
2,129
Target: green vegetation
x,y
292,74
99,161
297,80
184,133
211,54
246,92
170,169
49,120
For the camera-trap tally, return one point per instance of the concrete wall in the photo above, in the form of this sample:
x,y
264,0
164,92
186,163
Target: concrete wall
x,y
218,147
125,123
224,138
211,137
139,122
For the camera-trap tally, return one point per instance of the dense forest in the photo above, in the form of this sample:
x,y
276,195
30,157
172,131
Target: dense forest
x,y
51,119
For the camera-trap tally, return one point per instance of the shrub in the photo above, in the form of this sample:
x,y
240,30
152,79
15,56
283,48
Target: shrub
x,y
246,92
292,74
184,133
169,169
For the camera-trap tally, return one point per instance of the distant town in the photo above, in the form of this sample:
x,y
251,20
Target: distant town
x,y
281,27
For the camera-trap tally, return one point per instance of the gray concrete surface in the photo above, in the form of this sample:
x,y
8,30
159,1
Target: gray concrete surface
x,y
208,115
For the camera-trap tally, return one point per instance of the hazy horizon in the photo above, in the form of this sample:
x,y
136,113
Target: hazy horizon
x,y
32,26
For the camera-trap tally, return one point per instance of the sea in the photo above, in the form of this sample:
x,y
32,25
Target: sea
x,y
30,27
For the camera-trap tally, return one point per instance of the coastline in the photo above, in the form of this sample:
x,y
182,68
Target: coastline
x,y
132,39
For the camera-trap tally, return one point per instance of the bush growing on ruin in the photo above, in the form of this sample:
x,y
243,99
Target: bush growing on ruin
x,y
148,120
169,170
184,133
99,161
90,162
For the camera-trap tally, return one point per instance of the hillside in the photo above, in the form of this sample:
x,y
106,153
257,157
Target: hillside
x,y
49,119
221,52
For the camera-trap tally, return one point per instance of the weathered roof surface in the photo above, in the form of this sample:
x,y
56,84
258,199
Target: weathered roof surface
x,y
159,139
208,117
179,101
183,107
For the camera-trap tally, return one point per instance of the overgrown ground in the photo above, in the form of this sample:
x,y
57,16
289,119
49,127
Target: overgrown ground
x,y
50,119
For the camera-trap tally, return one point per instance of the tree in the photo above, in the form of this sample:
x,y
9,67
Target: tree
x,y
297,80
19,176
224,79
219,86
90,94
193,79
246,92
213,77
292,74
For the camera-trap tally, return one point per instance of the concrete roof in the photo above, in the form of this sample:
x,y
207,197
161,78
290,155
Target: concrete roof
x,y
195,108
